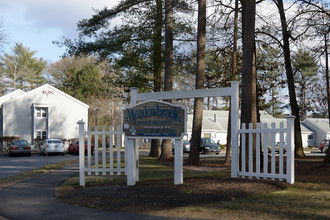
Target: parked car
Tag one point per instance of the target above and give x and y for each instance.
(52, 146)
(277, 147)
(20, 147)
(74, 147)
(324, 145)
(209, 146)
(185, 145)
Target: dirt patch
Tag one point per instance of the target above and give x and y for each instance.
(161, 195)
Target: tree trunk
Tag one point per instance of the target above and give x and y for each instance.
(157, 60)
(228, 141)
(249, 75)
(327, 73)
(233, 77)
(288, 67)
(198, 105)
(155, 148)
(327, 157)
(166, 153)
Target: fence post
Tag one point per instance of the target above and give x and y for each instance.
(136, 151)
(178, 162)
(134, 92)
(234, 128)
(131, 174)
(81, 153)
(290, 148)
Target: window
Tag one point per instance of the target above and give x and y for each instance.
(207, 135)
(41, 112)
(310, 137)
(41, 134)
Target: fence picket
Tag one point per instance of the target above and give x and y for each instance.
(243, 150)
(281, 154)
(258, 150)
(273, 161)
(265, 142)
(250, 149)
(89, 149)
(96, 147)
(104, 148)
(111, 148)
(262, 134)
(97, 169)
(118, 152)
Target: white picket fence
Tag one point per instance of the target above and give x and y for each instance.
(97, 164)
(281, 165)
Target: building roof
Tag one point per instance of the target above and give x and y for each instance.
(321, 123)
(11, 95)
(218, 120)
(42, 88)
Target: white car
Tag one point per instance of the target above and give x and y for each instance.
(52, 146)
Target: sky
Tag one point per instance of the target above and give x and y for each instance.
(37, 23)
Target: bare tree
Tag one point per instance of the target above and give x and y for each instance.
(288, 67)
(233, 77)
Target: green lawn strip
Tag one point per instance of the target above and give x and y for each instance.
(149, 169)
(8, 181)
(299, 201)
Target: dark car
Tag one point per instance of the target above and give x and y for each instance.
(19, 147)
(324, 145)
(74, 147)
(185, 145)
(209, 146)
(277, 147)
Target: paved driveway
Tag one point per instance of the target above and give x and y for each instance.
(34, 199)
(10, 166)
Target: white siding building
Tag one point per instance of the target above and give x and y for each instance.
(45, 112)
(215, 123)
(321, 128)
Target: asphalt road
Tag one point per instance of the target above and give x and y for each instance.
(34, 199)
(10, 166)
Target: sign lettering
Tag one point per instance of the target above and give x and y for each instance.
(154, 119)
(47, 92)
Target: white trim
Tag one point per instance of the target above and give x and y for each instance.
(3, 121)
(312, 122)
(34, 116)
(47, 86)
(11, 95)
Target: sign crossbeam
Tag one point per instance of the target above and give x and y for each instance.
(198, 93)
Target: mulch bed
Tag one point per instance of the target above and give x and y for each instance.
(163, 194)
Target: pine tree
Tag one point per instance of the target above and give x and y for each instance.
(21, 70)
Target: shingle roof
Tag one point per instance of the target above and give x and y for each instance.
(11, 95)
(322, 123)
(218, 120)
